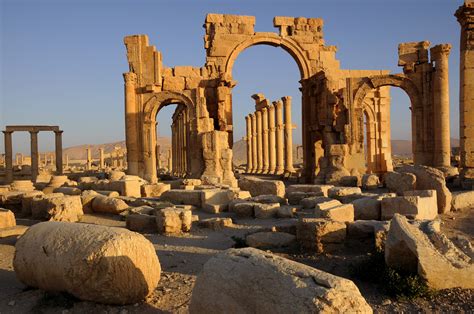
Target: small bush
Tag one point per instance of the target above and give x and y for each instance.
(239, 242)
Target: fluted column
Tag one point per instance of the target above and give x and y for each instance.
(253, 119)
(279, 137)
(265, 140)
(101, 158)
(442, 149)
(34, 155)
(288, 135)
(259, 142)
(131, 127)
(8, 156)
(271, 140)
(465, 16)
(58, 135)
(248, 140)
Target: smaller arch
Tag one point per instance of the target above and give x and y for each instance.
(161, 99)
(274, 40)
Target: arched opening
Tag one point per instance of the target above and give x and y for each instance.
(164, 134)
(401, 140)
(271, 74)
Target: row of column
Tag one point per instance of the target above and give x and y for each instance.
(270, 139)
(159, 164)
(179, 143)
(34, 154)
(117, 159)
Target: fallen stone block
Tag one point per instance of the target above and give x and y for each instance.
(56, 207)
(87, 197)
(370, 208)
(11, 199)
(66, 190)
(314, 234)
(173, 221)
(399, 182)
(370, 181)
(286, 211)
(191, 197)
(108, 193)
(116, 175)
(245, 209)
(268, 199)
(7, 218)
(311, 202)
(462, 200)
(14, 231)
(154, 190)
(216, 200)
(127, 186)
(252, 281)
(110, 205)
(22, 185)
(325, 203)
(361, 229)
(60, 256)
(26, 201)
(414, 204)
(295, 198)
(215, 223)
(141, 223)
(342, 212)
(269, 240)
(339, 191)
(258, 186)
(423, 250)
(309, 188)
(265, 211)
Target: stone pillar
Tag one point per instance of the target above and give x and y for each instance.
(131, 130)
(180, 145)
(8, 156)
(279, 137)
(101, 158)
(253, 119)
(465, 16)
(288, 135)
(442, 141)
(34, 155)
(248, 140)
(259, 142)
(158, 156)
(185, 143)
(170, 160)
(266, 163)
(58, 136)
(89, 159)
(271, 140)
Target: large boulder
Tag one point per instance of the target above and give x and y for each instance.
(252, 281)
(258, 186)
(91, 262)
(424, 250)
(428, 178)
(109, 205)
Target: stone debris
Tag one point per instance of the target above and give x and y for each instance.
(424, 250)
(266, 211)
(338, 212)
(258, 186)
(57, 207)
(109, 205)
(7, 218)
(339, 191)
(413, 204)
(154, 190)
(398, 182)
(60, 256)
(309, 188)
(315, 234)
(370, 181)
(141, 223)
(216, 223)
(188, 197)
(269, 240)
(173, 221)
(462, 200)
(251, 281)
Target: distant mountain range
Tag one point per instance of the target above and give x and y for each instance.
(399, 148)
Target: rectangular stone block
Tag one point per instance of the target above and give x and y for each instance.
(154, 190)
(141, 223)
(314, 233)
(186, 197)
(172, 83)
(266, 211)
(414, 205)
(343, 212)
(173, 220)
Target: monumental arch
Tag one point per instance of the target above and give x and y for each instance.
(334, 101)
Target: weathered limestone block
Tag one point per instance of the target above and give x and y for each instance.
(369, 208)
(56, 207)
(87, 197)
(14, 231)
(399, 182)
(234, 202)
(286, 211)
(323, 189)
(428, 178)
(22, 186)
(92, 262)
(56, 182)
(173, 83)
(7, 218)
(141, 223)
(110, 205)
(295, 198)
(339, 191)
(252, 281)
(144, 210)
(11, 199)
(311, 202)
(216, 223)
(462, 200)
(187, 197)
(154, 190)
(116, 175)
(187, 71)
(370, 181)
(268, 199)
(245, 209)
(362, 229)
(432, 255)
(326, 203)
(86, 183)
(268, 240)
(26, 201)
(216, 200)
(414, 205)
(66, 190)
(173, 220)
(128, 187)
(266, 211)
(343, 212)
(314, 233)
(262, 187)
(108, 193)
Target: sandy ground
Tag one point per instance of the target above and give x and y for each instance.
(182, 258)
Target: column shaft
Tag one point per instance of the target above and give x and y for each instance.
(131, 127)
(279, 137)
(34, 155)
(271, 139)
(101, 158)
(259, 142)
(248, 140)
(253, 119)
(288, 135)
(58, 135)
(265, 140)
(8, 157)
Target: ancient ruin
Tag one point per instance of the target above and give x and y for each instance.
(174, 224)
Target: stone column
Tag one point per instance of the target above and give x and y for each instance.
(259, 142)
(442, 141)
(279, 137)
(8, 156)
(58, 135)
(253, 119)
(465, 16)
(288, 135)
(248, 140)
(101, 158)
(265, 140)
(185, 143)
(34, 155)
(271, 139)
(89, 159)
(158, 156)
(170, 160)
(131, 129)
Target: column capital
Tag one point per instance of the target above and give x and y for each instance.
(7, 132)
(58, 132)
(278, 104)
(286, 99)
(130, 78)
(33, 132)
(441, 50)
(465, 14)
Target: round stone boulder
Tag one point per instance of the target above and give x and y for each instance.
(93, 263)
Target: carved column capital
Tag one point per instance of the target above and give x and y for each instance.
(440, 51)
(130, 78)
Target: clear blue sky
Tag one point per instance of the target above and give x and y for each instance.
(62, 61)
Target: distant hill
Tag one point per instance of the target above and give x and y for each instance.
(404, 148)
